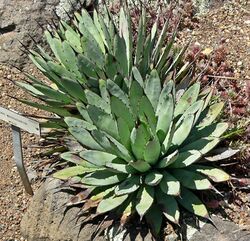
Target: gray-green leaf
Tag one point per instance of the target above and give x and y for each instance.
(145, 200)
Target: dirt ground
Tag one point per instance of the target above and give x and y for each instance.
(229, 24)
(13, 199)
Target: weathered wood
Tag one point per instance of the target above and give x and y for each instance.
(20, 121)
(18, 157)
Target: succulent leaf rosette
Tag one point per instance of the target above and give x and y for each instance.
(144, 124)
(95, 48)
(143, 147)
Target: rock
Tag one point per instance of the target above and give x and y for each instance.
(19, 19)
(32, 174)
(132, 235)
(227, 231)
(45, 220)
(202, 6)
(240, 63)
(69, 6)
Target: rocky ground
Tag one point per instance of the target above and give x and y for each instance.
(228, 24)
(13, 199)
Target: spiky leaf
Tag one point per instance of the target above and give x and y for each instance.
(152, 151)
(97, 158)
(110, 203)
(103, 178)
(169, 184)
(192, 203)
(153, 88)
(215, 174)
(185, 159)
(211, 114)
(154, 218)
(169, 206)
(192, 180)
(70, 172)
(145, 199)
(153, 178)
(168, 160)
(188, 98)
(128, 186)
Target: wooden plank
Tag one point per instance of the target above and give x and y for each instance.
(20, 121)
(18, 157)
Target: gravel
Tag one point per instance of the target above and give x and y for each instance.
(13, 199)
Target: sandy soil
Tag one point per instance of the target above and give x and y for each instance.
(13, 199)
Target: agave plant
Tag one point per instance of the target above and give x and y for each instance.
(143, 132)
(96, 48)
(144, 148)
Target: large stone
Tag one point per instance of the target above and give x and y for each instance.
(45, 220)
(202, 6)
(18, 19)
(21, 18)
(225, 231)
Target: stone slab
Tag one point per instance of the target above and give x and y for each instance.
(45, 221)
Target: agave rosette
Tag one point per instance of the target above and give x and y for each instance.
(96, 48)
(143, 147)
(143, 130)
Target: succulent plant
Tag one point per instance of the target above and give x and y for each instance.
(96, 48)
(145, 147)
(144, 132)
